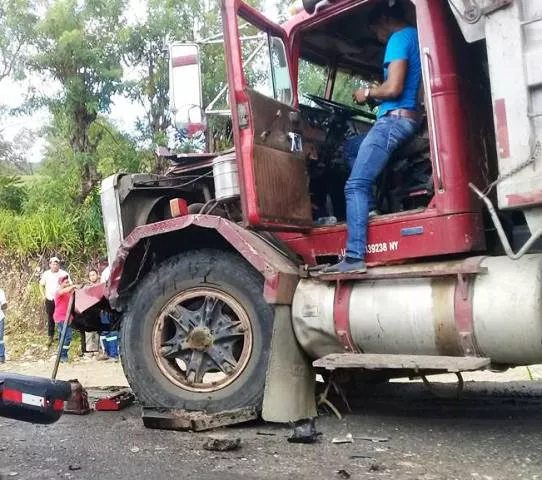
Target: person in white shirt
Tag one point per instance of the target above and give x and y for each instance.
(48, 287)
(3, 308)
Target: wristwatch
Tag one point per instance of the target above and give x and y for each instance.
(367, 92)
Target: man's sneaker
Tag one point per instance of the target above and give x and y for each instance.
(50, 342)
(64, 360)
(2, 360)
(102, 357)
(345, 267)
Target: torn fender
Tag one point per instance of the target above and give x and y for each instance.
(280, 273)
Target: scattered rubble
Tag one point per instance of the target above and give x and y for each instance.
(221, 443)
(374, 439)
(343, 474)
(348, 438)
(304, 431)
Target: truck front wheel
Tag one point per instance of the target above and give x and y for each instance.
(197, 334)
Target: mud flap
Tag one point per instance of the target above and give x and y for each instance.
(290, 381)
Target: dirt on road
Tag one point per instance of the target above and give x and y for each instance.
(399, 430)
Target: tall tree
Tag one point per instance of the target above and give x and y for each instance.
(78, 47)
(145, 54)
(17, 22)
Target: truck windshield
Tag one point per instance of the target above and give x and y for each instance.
(312, 80)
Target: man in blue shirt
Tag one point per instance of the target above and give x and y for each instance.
(397, 122)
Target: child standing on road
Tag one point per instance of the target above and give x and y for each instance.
(62, 300)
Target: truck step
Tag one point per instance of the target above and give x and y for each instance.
(415, 363)
(469, 266)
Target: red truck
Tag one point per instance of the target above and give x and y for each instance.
(215, 266)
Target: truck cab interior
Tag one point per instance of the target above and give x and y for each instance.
(336, 58)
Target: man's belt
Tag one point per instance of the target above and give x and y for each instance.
(403, 112)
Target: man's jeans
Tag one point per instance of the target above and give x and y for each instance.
(67, 339)
(2, 346)
(374, 151)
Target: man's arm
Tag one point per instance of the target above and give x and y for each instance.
(42, 286)
(69, 289)
(391, 88)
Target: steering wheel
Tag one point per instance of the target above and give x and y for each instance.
(339, 108)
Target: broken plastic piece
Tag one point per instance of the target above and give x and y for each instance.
(348, 438)
(304, 431)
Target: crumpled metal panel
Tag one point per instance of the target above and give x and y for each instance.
(281, 274)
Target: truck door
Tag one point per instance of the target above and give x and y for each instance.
(271, 164)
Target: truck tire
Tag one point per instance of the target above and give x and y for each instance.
(197, 334)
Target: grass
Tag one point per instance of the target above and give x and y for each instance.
(32, 346)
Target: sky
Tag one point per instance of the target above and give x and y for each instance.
(124, 112)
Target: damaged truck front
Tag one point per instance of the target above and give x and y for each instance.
(215, 264)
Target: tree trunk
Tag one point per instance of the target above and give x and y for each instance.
(82, 145)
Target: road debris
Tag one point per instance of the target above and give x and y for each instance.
(221, 443)
(304, 431)
(377, 467)
(116, 401)
(374, 439)
(178, 419)
(74, 467)
(268, 434)
(343, 474)
(134, 449)
(348, 438)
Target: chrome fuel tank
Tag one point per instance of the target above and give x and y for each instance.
(496, 312)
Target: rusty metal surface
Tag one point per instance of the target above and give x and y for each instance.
(463, 312)
(272, 122)
(418, 270)
(88, 296)
(341, 316)
(177, 419)
(280, 273)
(398, 362)
(444, 323)
(281, 185)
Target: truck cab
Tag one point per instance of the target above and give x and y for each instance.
(214, 264)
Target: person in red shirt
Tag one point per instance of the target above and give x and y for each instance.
(62, 300)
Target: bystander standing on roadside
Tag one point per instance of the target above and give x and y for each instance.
(109, 338)
(48, 288)
(92, 338)
(3, 308)
(62, 300)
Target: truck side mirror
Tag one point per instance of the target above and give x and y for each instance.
(185, 90)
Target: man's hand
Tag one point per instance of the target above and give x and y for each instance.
(359, 96)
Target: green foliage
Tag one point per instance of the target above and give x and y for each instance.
(78, 46)
(144, 47)
(12, 193)
(17, 21)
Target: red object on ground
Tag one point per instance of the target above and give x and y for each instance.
(115, 402)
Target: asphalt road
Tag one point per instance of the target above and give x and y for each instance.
(494, 432)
